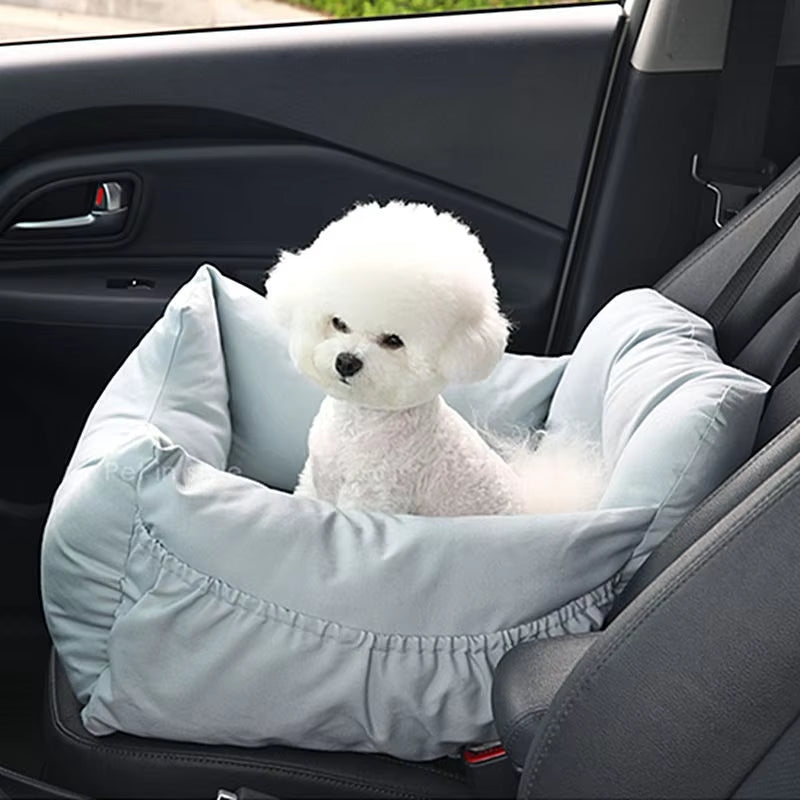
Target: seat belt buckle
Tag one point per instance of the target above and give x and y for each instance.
(732, 189)
(490, 770)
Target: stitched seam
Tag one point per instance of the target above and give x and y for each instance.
(694, 332)
(571, 611)
(175, 344)
(121, 578)
(43, 789)
(764, 754)
(121, 593)
(739, 220)
(760, 456)
(691, 460)
(519, 722)
(443, 773)
(650, 607)
(135, 487)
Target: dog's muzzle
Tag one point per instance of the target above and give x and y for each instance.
(348, 364)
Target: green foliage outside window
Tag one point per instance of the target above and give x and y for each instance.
(380, 8)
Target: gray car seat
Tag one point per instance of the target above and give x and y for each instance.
(693, 689)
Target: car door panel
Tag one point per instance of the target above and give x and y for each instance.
(229, 201)
(240, 143)
(502, 103)
(244, 142)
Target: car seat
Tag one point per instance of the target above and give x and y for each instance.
(692, 689)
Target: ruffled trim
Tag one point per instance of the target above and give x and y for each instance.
(582, 615)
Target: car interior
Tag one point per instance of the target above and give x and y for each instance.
(594, 148)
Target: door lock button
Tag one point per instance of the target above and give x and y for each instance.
(109, 197)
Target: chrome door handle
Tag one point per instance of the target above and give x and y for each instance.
(57, 224)
(106, 218)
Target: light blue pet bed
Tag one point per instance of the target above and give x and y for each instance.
(189, 601)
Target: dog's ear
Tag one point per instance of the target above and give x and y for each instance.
(474, 349)
(284, 287)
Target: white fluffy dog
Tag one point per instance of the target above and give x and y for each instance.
(386, 307)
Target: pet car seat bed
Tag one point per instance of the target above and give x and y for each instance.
(190, 598)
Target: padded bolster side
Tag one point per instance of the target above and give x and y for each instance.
(525, 684)
(743, 482)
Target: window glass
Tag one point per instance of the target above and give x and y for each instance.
(32, 20)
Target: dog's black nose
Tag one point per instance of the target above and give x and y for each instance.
(347, 364)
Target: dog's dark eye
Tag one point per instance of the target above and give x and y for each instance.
(340, 325)
(391, 340)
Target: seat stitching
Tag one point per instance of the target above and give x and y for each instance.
(422, 768)
(650, 607)
(520, 721)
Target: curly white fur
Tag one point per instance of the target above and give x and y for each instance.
(385, 308)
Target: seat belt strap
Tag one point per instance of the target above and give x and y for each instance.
(724, 302)
(734, 166)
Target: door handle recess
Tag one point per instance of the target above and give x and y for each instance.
(106, 218)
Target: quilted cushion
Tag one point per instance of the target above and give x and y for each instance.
(189, 598)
